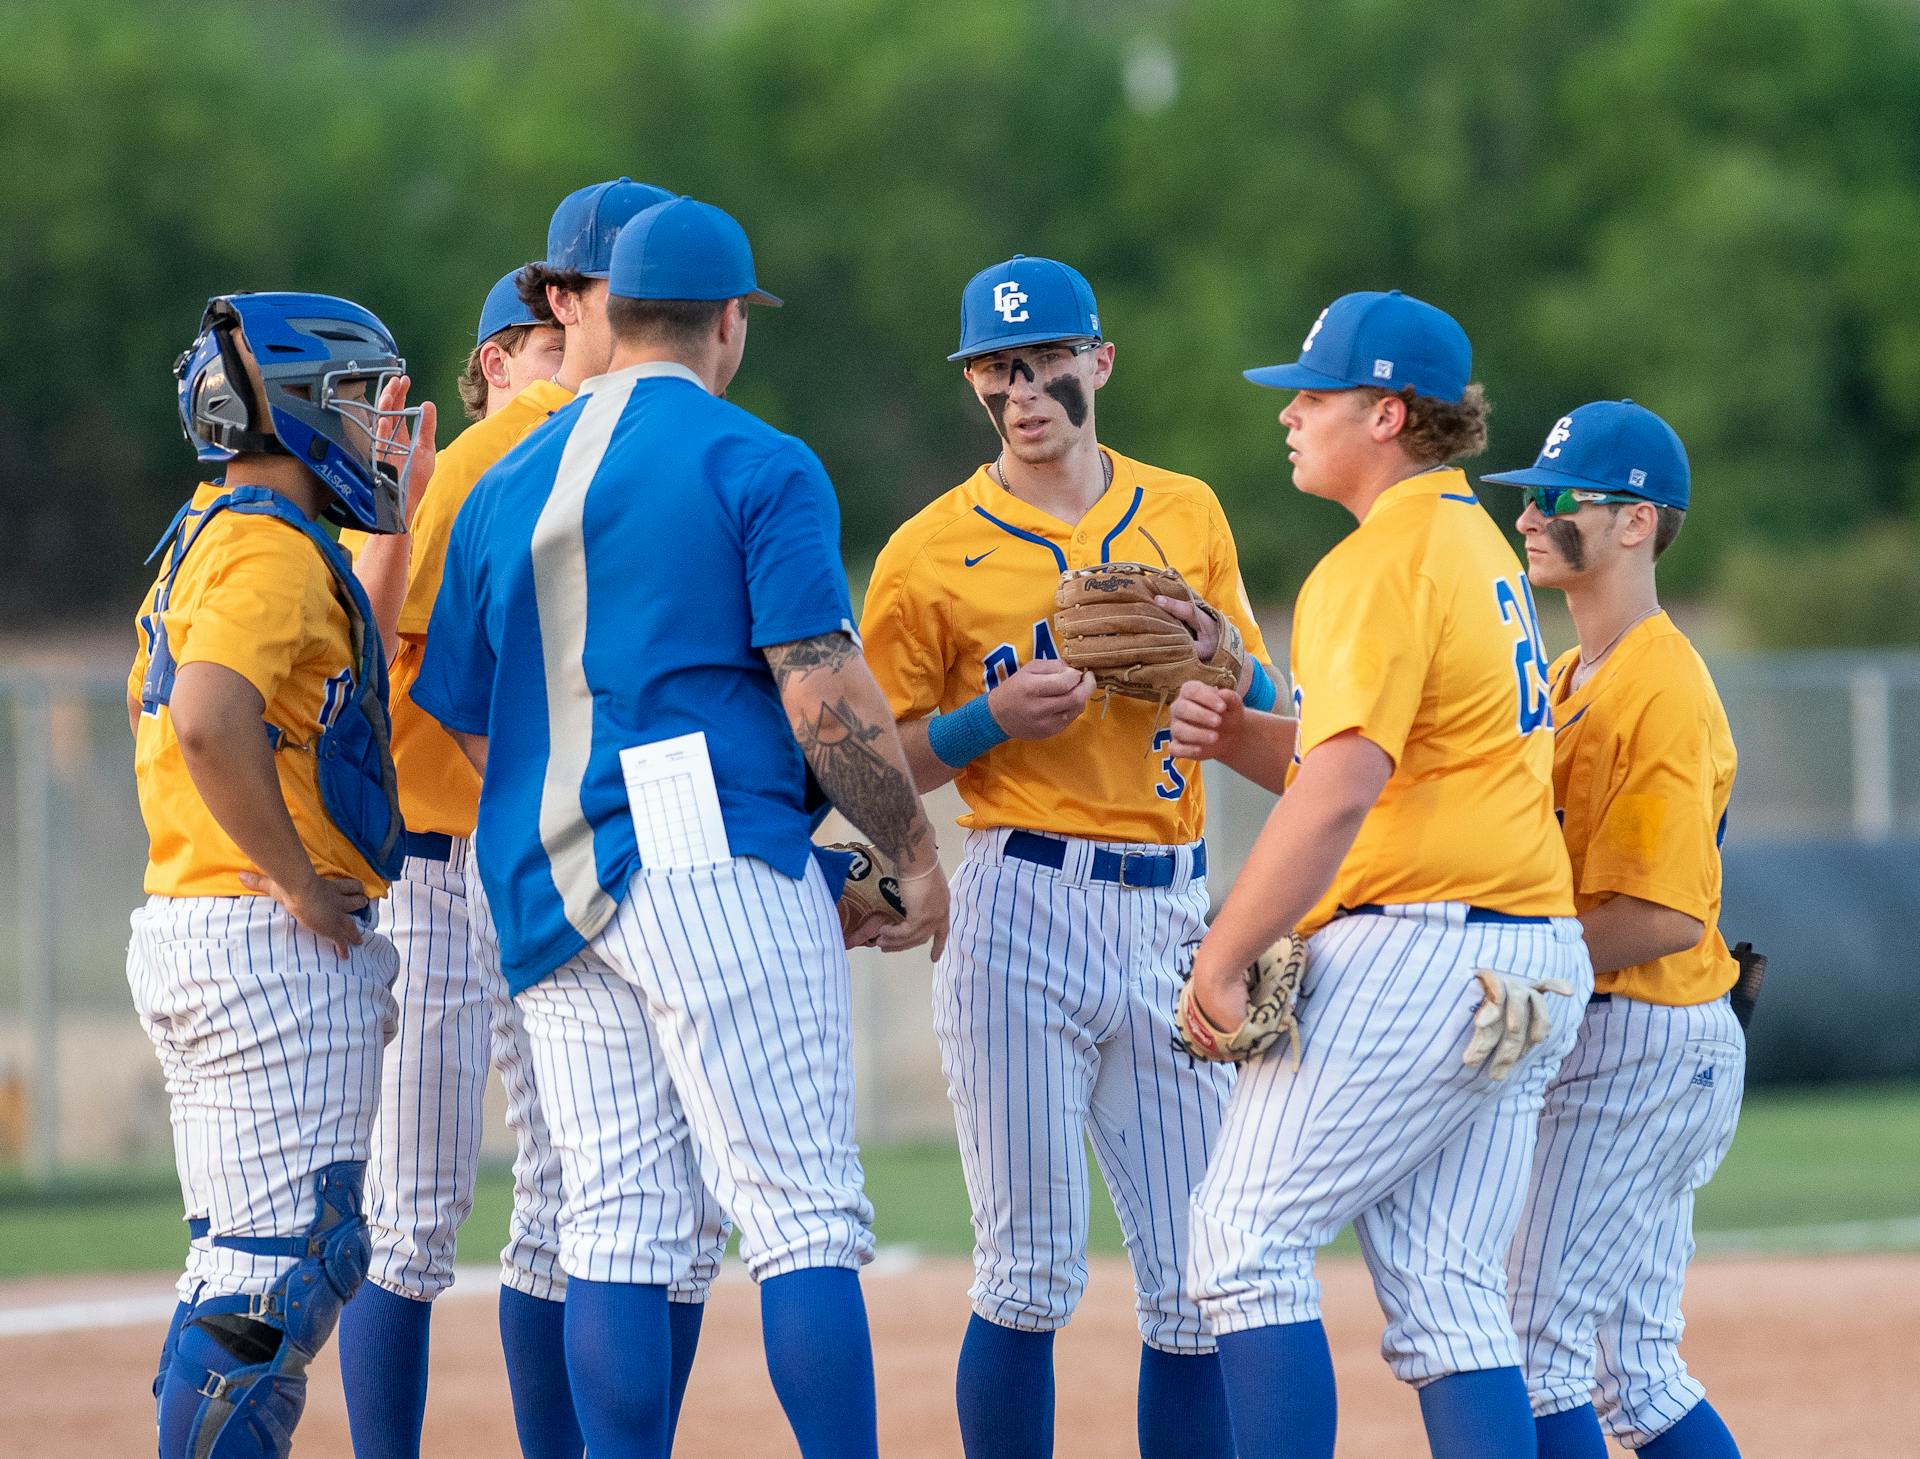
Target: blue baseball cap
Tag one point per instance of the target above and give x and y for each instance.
(584, 226)
(1389, 340)
(504, 308)
(1610, 445)
(1025, 301)
(685, 249)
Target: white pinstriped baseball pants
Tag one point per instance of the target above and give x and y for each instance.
(703, 1042)
(455, 1021)
(1053, 1005)
(1638, 1118)
(270, 1042)
(1384, 1127)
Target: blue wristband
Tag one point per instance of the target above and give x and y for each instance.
(966, 734)
(1262, 692)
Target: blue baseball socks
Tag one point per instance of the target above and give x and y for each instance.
(533, 1338)
(1280, 1380)
(1005, 1392)
(1182, 1407)
(1479, 1415)
(383, 1367)
(820, 1357)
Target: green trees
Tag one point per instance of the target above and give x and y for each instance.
(1709, 205)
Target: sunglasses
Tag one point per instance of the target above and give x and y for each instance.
(1561, 501)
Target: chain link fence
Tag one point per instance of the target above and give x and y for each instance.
(1829, 751)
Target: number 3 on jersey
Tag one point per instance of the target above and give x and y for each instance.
(1514, 596)
(1172, 784)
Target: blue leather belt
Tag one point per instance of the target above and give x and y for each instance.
(1474, 914)
(1593, 998)
(1125, 868)
(427, 845)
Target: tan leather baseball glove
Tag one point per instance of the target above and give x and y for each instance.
(871, 887)
(1273, 984)
(1105, 621)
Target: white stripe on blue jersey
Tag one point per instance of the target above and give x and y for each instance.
(560, 591)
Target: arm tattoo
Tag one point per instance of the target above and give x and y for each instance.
(867, 788)
(829, 651)
(843, 746)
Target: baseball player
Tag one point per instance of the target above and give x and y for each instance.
(1415, 849)
(455, 1014)
(1643, 1110)
(514, 348)
(644, 718)
(1084, 879)
(258, 703)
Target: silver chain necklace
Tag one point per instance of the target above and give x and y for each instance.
(1588, 665)
(998, 471)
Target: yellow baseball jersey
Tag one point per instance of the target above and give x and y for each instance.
(1418, 632)
(1643, 765)
(960, 598)
(439, 788)
(253, 596)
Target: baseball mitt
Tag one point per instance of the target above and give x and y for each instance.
(1273, 983)
(871, 887)
(1105, 621)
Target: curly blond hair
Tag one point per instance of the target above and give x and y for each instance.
(1439, 431)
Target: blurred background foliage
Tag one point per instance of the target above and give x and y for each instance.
(1710, 205)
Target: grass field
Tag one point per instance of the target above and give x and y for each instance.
(1801, 1159)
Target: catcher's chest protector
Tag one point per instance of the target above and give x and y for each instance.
(353, 759)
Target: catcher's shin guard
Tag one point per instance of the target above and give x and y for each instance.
(237, 1381)
(182, 1310)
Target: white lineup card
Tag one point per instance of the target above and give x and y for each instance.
(676, 809)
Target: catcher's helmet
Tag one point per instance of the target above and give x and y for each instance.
(309, 348)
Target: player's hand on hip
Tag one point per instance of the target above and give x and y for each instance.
(1206, 722)
(923, 900)
(325, 906)
(1040, 698)
(1512, 1019)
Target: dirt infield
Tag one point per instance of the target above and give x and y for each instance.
(1803, 1356)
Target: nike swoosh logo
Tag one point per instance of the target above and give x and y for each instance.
(970, 561)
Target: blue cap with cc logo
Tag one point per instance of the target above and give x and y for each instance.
(1613, 446)
(1025, 301)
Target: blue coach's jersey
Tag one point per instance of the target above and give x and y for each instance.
(611, 583)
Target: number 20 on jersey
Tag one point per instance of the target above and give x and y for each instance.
(1514, 598)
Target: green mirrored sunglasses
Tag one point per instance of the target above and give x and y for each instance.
(1561, 501)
